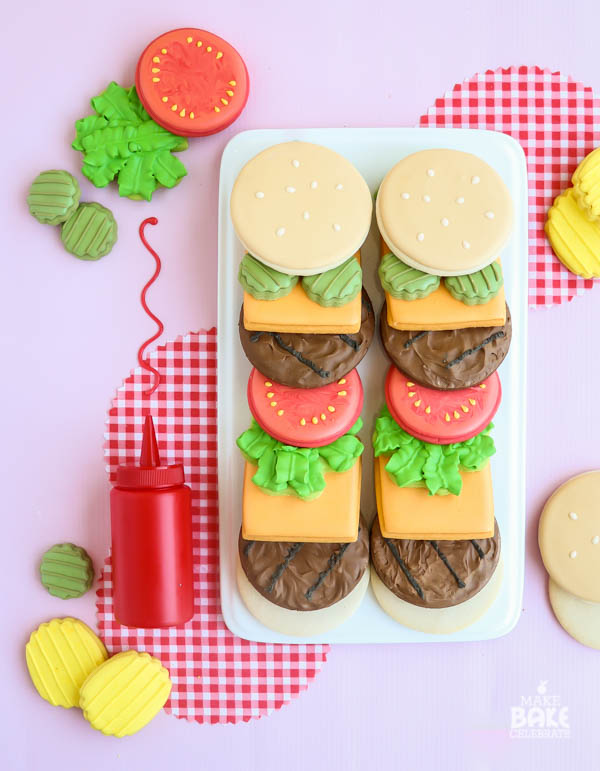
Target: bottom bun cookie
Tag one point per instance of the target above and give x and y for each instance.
(300, 623)
(579, 618)
(437, 620)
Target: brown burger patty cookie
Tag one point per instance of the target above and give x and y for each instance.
(434, 574)
(447, 359)
(308, 360)
(305, 576)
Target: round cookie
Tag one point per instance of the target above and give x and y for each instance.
(444, 212)
(335, 287)
(441, 417)
(60, 655)
(124, 693)
(569, 536)
(579, 618)
(585, 184)
(308, 360)
(476, 288)
(302, 417)
(574, 238)
(53, 196)
(301, 208)
(263, 282)
(67, 571)
(192, 82)
(303, 588)
(404, 282)
(90, 233)
(448, 359)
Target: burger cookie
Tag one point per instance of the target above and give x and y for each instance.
(302, 212)
(308, 360)
(302, 477)
(301, 588)
(458, 358)
(444, 217)
(435, 586)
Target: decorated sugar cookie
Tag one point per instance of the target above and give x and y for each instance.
(123, 694)
(404, 282)
(308, 360)
(586, 184)
(435, 586)
(60, 655)
(569, 536)
(90, 233)
(444, 212)
(449, 359)
(476, 288)
(305, 418)
(574, 238)
(53, 196)
(301, 208)
(67, 571)
(441, 417)
(192, 82)
(303, 588)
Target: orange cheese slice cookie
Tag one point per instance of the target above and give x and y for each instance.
(440, 310)
(410, 512)
(330, 518)
(296, 312)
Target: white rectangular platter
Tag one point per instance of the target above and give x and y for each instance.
(374, 152)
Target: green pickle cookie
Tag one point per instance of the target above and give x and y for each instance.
(335, 287)
(53, 196)
(476, 288)
(263, 282)
(404, 282)
(90, 233)
(67, 571)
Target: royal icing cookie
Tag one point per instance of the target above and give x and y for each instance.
(305, 418)
(308, 360)
(60, 655)
(192, 82)
(434, 573)
(262, 282)
(574, 238)
(476, 288)
(53, 196)
(580, 619)
(301, 208)
(90, 233)
(335, 287)
(404, 282)
(569, 536)
(67, 571)
(441, 417)
(124, 693)
(586, 184)
(457, 358)
(444, 212)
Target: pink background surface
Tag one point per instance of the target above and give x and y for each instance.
(70, 331)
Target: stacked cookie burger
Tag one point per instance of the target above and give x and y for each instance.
(444, 217)
(302, 212)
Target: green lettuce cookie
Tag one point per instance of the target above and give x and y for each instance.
(335, 287)
(53, 196)
(263, 282)
(415, 463)
(404, 282)
(476, 288)
(67, 571)
(89, 233)
(284, 469)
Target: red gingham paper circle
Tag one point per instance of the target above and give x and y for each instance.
(217, 677)
(556, 120)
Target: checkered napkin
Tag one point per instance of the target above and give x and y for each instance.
(217, 677)
(556, 120)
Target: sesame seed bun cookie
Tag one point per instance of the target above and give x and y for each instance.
(444, 212)
(301, 208)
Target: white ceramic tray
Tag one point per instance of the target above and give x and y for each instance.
(374, 152)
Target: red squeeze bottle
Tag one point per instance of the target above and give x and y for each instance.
(151, 526)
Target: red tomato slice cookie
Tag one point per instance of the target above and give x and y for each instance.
(441, 417)
(192, 82)
(305, 417)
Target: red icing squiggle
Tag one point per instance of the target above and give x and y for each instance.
(143, 363)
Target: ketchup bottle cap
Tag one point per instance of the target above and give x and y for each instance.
(149, 473)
